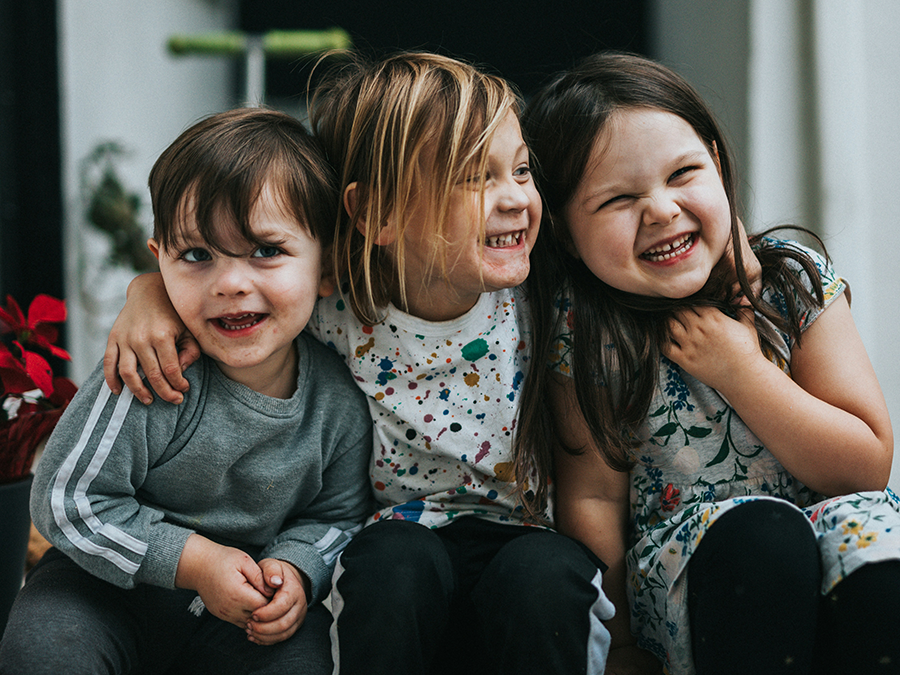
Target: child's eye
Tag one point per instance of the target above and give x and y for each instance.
(617, 200)
(682, 172)
(196, 255)
(522, 171)
(475, 180)
(266, 252)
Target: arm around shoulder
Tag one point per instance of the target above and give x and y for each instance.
(146, 335)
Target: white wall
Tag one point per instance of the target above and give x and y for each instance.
(873, 238)
(808, 89)
(119, 83)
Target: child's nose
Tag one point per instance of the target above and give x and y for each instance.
(660, 209)
(232, 277)
(514, 197)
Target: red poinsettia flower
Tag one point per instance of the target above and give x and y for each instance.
(26, 416)
(22, 370)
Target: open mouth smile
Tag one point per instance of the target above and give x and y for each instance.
(504, 240)
(673, 249)
(239, 322)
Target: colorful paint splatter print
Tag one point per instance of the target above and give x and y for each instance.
(443, 398)
(696, 461)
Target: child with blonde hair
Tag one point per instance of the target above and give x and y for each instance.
(457, 568)
(722, 426)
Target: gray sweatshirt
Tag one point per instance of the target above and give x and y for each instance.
(121, 486)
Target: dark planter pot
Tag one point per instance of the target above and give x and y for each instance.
(15, 525)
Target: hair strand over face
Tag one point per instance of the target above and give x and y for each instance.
(406, 130)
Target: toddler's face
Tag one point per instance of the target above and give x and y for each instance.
(651, 215)
(512, 213)
(245, 310)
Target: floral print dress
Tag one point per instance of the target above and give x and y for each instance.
(697, 460)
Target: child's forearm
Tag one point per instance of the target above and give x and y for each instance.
(601, 526)
(828, 422)
(592, 502)
(196, 558)
(827, 448)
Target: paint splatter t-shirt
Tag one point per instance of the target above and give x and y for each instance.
(443, 398)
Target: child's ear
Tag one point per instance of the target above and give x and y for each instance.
(326, 286)
(153, 246)
(386, 235)
(327, 282)
(715, 156)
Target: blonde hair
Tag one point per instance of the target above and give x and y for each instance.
(407, 129)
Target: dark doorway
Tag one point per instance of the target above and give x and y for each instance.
(524, 41)
(31, 260)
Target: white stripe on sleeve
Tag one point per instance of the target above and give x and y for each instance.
(67, 474)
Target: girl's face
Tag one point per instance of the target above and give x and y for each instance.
(512, 214)
(650, 216)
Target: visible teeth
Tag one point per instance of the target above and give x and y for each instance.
(502, 240)
(228, 324)
(667, 251)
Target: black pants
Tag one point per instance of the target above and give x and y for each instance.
(755, 603)
(472, 596)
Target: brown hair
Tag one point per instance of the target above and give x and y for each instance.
(615, 385)
(224, 161)
(406, 129)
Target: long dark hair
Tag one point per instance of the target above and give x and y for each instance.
(616, 336)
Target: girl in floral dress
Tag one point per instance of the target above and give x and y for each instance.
(726, 441)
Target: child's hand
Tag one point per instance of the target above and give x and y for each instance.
(286, 611)
(148, 333)
(229, 581)
(712, 346)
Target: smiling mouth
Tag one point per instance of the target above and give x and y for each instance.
(670, 250)
(504, 240)
(240, 322)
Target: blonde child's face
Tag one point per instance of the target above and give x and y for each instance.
(512, 214)
(246, 310)
(650, 216)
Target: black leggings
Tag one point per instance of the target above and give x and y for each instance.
(755, 604)
(473, 596)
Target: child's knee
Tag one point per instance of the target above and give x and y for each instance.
(394, 560)
(554, 569)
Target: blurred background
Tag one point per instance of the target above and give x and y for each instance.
(90, 94)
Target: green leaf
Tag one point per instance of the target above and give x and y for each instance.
(667, 429)
(723, 453)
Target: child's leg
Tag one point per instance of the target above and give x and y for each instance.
(859, 623)
(540, 606)
(753, 592)
(391, 598)
(65, 620)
